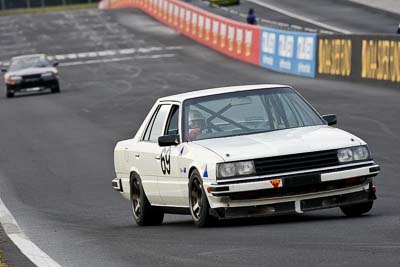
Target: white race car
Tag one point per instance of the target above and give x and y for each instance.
(241, 151)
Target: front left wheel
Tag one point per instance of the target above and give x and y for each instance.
(9, 94)
(143, 213)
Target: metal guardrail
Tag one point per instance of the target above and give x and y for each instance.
(13, 4)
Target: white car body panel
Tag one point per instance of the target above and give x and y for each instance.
(281, 142)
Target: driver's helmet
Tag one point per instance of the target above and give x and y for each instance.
(196, 120)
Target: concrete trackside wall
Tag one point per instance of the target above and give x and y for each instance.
(232, 38)
(361, 58)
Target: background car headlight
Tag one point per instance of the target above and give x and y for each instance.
(356, 153)
(13, 79)
(49, 74)
(236, 169)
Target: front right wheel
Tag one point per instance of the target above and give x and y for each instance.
(357, 209)
(198, 202)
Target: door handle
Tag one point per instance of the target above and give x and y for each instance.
(137, 156)
(158, 157)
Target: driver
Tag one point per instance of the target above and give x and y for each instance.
(197, 123)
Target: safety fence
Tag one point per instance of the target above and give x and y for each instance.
(349, 57)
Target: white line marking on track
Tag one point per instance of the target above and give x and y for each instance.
(72, 56)
(297, 27)
(106, 53)
(27, 247)
(127, 51)
(283, 24)
(106, 60)
(92, 54)
(83, 55)
(60, 57)
(296, 16)
(326, 32)
(174, 48)
(313, 30)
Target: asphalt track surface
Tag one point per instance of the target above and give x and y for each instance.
(344, 14)
(56, 156)
(341, 14)
(266, 17)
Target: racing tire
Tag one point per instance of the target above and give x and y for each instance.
(198, 202)
(9, 94)
(55, 89)
(143, 213)
(357, 209)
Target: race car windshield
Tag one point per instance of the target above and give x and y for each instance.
(246, 112)
(29, 62)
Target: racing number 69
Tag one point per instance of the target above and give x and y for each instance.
(166, 160)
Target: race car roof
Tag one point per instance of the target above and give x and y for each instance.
(219, 90)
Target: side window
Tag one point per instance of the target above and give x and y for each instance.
(158, 124)
(172, 125)
(146, 135)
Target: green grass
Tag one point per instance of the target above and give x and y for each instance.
(39, 10)
(3, 261)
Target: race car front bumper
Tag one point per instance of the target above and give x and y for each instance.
(40, 84)
(294, 193)
(299, 205)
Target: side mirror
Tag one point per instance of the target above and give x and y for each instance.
(55, 64)
(168, 140)
(330, 119)
(3, 69)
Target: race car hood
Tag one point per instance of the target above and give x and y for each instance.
(30, 71)
(281, 142)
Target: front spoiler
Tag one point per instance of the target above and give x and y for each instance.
(298, 206)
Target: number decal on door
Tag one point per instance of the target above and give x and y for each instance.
(166, 161)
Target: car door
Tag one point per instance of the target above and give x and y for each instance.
(147, 153)
(172, 179)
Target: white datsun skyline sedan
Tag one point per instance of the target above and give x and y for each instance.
(241, 151)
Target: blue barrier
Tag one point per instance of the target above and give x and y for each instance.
(288, 52)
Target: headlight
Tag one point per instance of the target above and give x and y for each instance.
(49, 74)
(356, 153)
(361, 153)
(236, 169)
(226, 169)
(15, 78)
